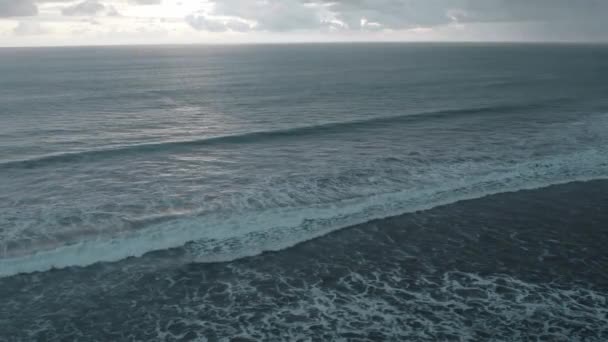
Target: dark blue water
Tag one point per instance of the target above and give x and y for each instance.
(186, 156)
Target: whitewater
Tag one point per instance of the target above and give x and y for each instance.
(191, 158)
(271, 219)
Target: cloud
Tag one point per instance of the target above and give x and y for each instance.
(146, 2)
(543, 19)
(268, 15)
(112, 12)
(17, 8)
(398, 14)
(52, 1)
(29, 28)
(86, 8)
(289, 15)
(203, 22)
(533, 10)
(391, 14)
(552, 20)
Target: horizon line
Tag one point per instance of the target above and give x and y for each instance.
(353, 42)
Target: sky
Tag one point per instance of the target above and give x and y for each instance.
(110, 22)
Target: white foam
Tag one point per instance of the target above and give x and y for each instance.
(455, 304)
(224, 236)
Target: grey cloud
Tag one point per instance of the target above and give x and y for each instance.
(270, 15)
(533, 10)
(112, 12)
(28, 28)
(394, 14)
(146, 2)
(412, 13)
(17, 8)
(286, 15)
(88, 7)
(549, 19)
(204, 23)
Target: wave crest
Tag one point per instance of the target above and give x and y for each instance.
(243, 138)
(217, 237)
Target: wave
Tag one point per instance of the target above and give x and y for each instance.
(220, 237)
(169, 146)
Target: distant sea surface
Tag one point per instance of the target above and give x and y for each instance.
(355, 192)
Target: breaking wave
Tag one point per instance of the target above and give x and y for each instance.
(225, 236)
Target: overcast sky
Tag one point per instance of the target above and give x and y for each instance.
(88, 22)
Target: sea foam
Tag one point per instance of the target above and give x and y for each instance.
(220, 237)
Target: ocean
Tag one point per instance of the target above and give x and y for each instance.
(312, 192)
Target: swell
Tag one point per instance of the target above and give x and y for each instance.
(170, 146)
(222, 238)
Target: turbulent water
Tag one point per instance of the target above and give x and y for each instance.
(184, 157)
